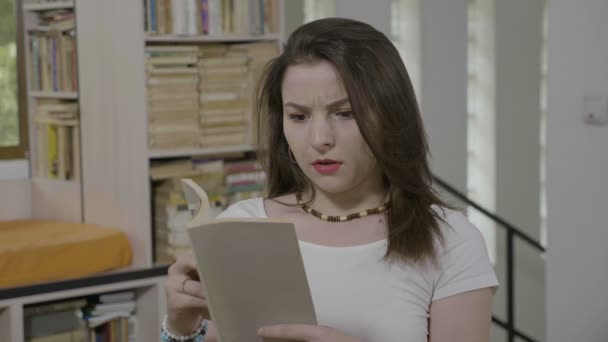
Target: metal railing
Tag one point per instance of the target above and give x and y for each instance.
(512, 232)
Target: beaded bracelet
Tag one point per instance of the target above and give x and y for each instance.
(197, 336)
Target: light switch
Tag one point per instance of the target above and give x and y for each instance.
(595, 110)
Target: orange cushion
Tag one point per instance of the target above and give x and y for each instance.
(33, 251)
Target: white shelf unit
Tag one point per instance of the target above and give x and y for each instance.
(114, 187)
(150, 306)
(221, 152)
(50, 5)
(62, 95)
(210, 38)
(199, 152)
(47, 194)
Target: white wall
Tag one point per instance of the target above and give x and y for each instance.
(15, 190)
(518, 43)
(14, 169)
(443, 78)
(376, 13)
(577, 174)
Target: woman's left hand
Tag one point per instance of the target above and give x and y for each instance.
(305, 332)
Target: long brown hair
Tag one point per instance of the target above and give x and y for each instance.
(386, 111)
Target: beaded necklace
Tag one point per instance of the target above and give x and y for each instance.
(349, 217)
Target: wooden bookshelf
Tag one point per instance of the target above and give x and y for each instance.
(45, 6)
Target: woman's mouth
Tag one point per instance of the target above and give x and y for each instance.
(326, 166)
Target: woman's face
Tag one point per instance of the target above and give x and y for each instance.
(321, 131)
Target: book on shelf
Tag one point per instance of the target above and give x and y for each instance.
(52, 52)
(57, 134)
(214, 80)
(43, 2)
(172, 96)
(252, 270)
(110, 317)
(57, 321)
(210, 17)
(226, 182)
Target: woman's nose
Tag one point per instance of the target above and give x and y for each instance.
(322, 135)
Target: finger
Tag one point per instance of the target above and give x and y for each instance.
(193, 288)
(185, 285)
(299, 332)
(184, 265)
(184, 301)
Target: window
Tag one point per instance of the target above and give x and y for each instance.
(318, 9)
(405, 34)
(13, 131)
(481, 141)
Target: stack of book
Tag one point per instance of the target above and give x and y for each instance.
(55, 322)
(52, 52)
(244, 180)
(225, 94)
(171, 213)
(111, 317)
(58, 139)
(224, 181)
(173, 96)
(195, 17)
(259, 54)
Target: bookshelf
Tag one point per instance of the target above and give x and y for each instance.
(53, 110)
(113, 186)
(224, 56)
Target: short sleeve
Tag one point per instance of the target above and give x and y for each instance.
(464, 261)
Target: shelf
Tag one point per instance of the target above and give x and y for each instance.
(48, 6)
(64, 95)
(56, 182)
(120, 277)
(210, 39)
(161, 154)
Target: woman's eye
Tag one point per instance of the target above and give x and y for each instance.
(297, 117)
(346, 114)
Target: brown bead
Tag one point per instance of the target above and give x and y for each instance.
(349, 217)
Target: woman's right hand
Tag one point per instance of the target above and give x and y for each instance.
(186, 302)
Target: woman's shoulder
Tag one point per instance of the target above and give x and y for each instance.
(253, 208)
(456, 228)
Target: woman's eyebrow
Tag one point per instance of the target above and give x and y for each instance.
(332, 105)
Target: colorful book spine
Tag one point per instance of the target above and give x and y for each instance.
(205, 15)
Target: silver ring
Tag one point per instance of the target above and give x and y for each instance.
(184, 285)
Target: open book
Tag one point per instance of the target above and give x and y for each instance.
(251, 269)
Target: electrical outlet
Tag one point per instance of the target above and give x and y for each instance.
(595, 110)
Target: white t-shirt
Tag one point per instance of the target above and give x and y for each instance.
(356, 292)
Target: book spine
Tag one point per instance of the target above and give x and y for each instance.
(205, 15)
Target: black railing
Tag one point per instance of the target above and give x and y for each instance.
(511, 232)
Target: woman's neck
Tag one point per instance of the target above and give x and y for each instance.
(347, 202)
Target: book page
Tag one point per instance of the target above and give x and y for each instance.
(254, 276)
(252, 271)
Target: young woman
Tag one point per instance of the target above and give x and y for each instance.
(347, 162)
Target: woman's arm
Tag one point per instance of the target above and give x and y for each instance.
(465, 317)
